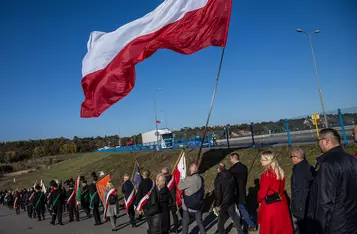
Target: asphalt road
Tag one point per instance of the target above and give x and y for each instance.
(10, 223)
(301, 137)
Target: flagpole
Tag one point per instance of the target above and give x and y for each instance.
(132, 174)
(177, 161)
(211, 106)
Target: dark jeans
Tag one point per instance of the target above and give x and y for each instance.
(155, 224)
(246, 216)
(186, 221)
(225, 214)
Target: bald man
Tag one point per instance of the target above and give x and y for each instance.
(333, 199)
(301, 180)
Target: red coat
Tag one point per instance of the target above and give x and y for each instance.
(273, 218)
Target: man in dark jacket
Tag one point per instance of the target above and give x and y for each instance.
(25, 198)
(129, 198)
(38, 202)
(301, 180)
(145, 186)
(94, 199)
(240, 173)
(85, 199)
(56, 203)
(170, 183)
(225, 190)
(71, 202)
(333, 200)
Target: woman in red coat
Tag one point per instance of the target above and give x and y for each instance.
(273, 218)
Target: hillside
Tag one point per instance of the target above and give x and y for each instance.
(117, 164)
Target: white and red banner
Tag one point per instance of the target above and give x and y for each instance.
(179, 174)
(111, 192)
(144, 200)
(129, 200)
(184, 26)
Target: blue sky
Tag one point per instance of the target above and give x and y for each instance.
(267, 72)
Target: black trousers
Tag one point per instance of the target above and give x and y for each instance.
(57, 212)
(131, 213)
(174, 219)
(96, 213)
(29, 211)
(86, 209)
(40, 211)
(73, 211)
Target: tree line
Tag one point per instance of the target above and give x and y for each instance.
(15, 151)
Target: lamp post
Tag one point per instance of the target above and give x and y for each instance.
(157, 132)
(317, 74)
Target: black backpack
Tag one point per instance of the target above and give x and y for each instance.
(112, 199)
(195, 201)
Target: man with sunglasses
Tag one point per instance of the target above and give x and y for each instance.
(333, 200)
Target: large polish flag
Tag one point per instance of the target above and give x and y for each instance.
(179, 174)
(184, 26)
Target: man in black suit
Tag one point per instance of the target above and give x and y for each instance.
(240, 173)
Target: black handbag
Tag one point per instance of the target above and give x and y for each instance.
(275, 197)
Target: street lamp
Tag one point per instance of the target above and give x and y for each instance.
(317, 74)
(157, 131)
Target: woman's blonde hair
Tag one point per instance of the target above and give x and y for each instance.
(274, 163)
(110, 185)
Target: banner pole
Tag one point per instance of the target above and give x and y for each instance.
(177, 161)
(132, 174)
(211, 106)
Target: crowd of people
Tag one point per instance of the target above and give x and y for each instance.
(323, 197)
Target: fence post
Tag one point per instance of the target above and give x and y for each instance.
(288, 132)
(252, 132)
(227, 135)
(345, 142)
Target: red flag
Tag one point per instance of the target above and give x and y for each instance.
(184, 26)
(158, 121)
(178, 174)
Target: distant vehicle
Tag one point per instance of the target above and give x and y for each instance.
(165, 138)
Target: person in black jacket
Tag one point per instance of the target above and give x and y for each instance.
(38, 203)
(152, 211)
(85, 199)
(240, 173)
(56, 203)
(301, 180)
(71, 202)
(94, 199)
(25, 198)
(333, 200)
(165, 202)
(225, 190)
(129, 197)
(145, 186)
(173, 208)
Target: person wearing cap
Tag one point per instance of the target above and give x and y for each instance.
(85, 198)
(94, 199)
(56, 203)
(38, 203)
(71, 202)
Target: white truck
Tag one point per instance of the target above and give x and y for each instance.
(165, 138)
